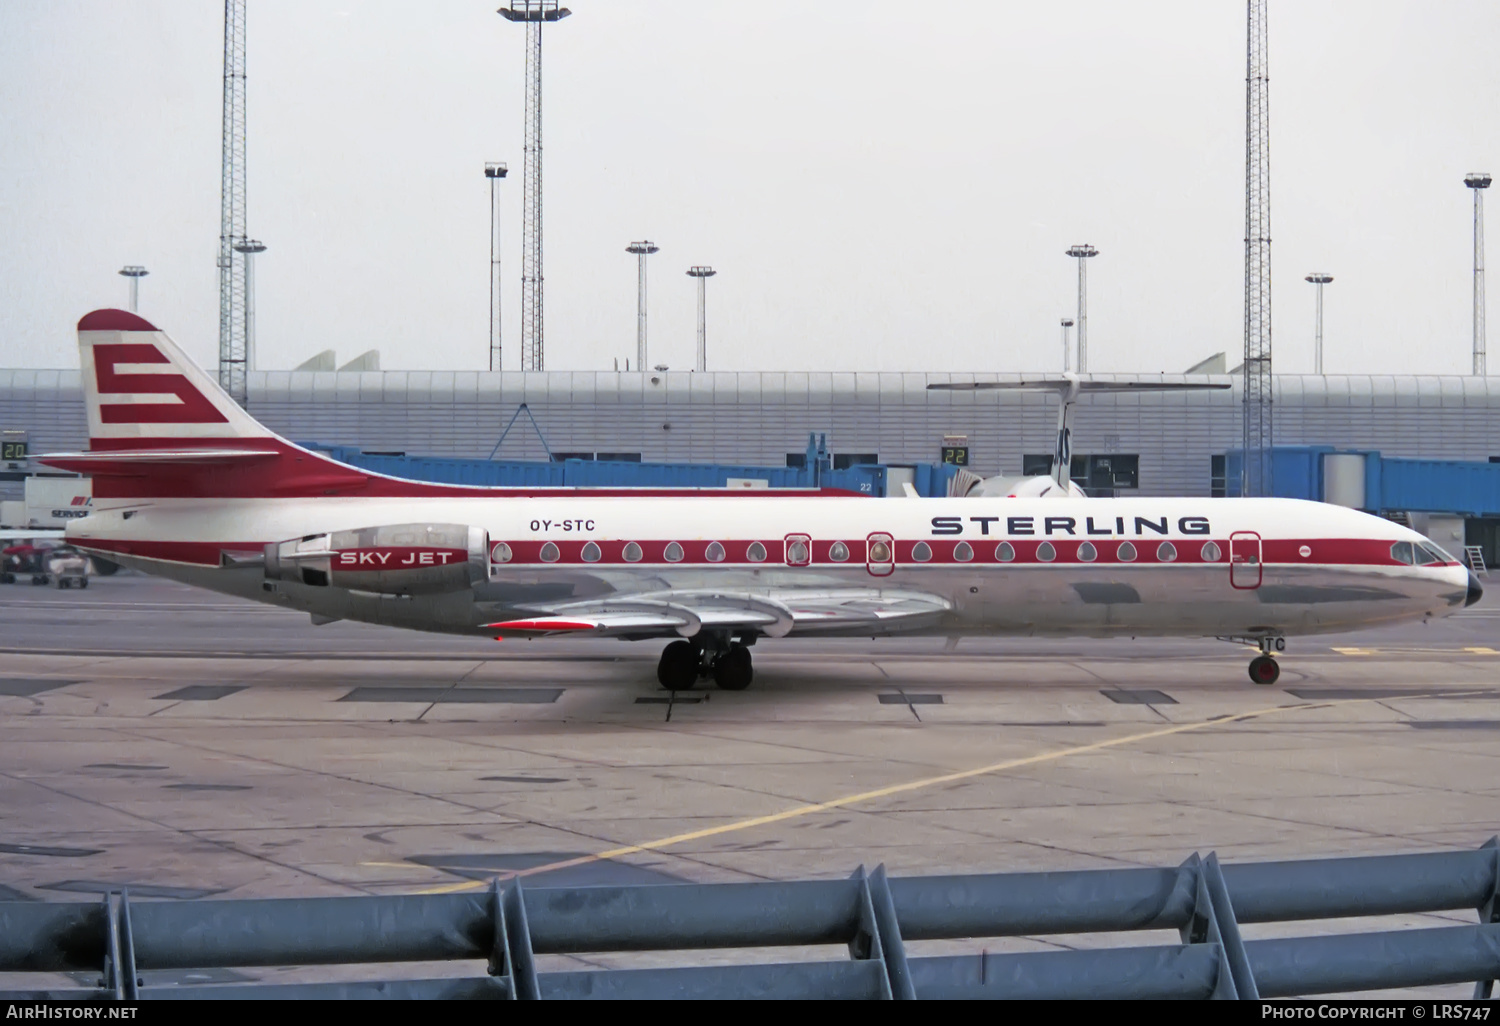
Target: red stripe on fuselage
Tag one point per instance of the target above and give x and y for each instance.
(1278, 553)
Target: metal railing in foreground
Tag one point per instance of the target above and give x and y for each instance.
(875, 916)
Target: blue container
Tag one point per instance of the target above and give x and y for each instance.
(930, 480)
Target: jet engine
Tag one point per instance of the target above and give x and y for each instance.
(395, 559)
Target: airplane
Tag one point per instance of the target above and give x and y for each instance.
(1058, 483)
(187, 485)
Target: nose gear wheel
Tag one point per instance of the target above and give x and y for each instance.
(1264, 670)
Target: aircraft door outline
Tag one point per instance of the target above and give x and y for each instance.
(1245, 568)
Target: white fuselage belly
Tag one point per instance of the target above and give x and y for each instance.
(1317, 575)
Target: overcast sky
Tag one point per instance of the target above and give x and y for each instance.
(881, 185)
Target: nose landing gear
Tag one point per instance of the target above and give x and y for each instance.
(1264, 669)
(683, 662)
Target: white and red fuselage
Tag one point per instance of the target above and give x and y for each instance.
(189, 486)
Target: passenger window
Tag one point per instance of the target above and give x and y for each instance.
(715, 552)
(1045, 552)
(921, 552)
(591, 553)
(963, 552)
(1005, 552)
(796, 553)
(1125, 553)
(673, 553)
(633, 553)
(1210, 552)
(1087, 553)
(1401, 553)
(838, 552)
(1167, 552)
(756, 553)
(550, 554)
(880, 552)
(501, 553)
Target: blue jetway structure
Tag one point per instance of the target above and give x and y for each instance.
(817, 472)
(1380, 484)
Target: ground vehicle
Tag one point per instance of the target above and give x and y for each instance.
(67, 566)
(23, 560)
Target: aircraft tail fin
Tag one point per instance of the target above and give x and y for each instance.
(160, 427)
(144, 392)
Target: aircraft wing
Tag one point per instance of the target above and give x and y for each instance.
(775, 613)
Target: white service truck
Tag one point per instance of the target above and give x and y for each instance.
(52, 501)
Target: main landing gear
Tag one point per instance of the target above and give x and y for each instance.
(1263, 668)
(683, 662)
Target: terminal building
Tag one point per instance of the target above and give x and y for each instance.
(1150, 443)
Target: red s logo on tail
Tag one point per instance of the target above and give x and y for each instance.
(194, 407)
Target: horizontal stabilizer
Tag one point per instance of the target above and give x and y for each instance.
(105, 462)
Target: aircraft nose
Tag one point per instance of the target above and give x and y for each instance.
(1475, 593)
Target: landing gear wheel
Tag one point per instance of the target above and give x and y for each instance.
(1264, 670)
(733, 671)
(678, 669)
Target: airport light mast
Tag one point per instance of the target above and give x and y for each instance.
(1478, 182)
(135, 273)
(1082, 253)
(249, 247)
(1067, 322)
(1258, 434)
(702, 273)
(1319, 279)
(533, 14)
(494, 173)
(641, 250)
(232, 206)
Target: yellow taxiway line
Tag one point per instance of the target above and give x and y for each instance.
(798, 811)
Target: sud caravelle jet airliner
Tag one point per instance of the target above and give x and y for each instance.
(189, 486)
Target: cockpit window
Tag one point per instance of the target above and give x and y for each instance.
(1401, 552)
(1427, 553)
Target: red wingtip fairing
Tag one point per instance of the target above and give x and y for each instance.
(114, 320)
